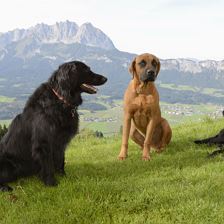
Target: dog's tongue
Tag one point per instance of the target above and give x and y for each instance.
(89, 89)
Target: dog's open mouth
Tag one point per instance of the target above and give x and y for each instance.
(88, 88)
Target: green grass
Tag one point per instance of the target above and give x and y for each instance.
(206, 91)
(179, 87)
(5, 122)
(180, 185)
(18, 85)
(108, 128)
(4, 99)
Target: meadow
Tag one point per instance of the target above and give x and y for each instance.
(4, 99)
(180, 185)
(176, 114)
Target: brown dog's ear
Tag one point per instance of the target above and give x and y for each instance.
(132, 68)
(158, 67)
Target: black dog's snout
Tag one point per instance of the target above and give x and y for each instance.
(104, 79)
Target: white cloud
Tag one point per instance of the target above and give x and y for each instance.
(168, 28)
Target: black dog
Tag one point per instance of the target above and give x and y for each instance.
(215, 140)
(36, 140)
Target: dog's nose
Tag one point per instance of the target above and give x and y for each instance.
(104, 79)
(150, 73)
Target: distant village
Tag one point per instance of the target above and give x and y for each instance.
(98, 119)
(180, 110)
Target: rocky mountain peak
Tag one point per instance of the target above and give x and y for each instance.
(89, 35)
(66, 32)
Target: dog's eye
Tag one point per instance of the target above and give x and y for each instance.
(142, 63)
(154, 63)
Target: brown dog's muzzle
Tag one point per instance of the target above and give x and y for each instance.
(148, 76)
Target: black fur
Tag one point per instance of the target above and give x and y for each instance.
(36, 140)
(215, 140)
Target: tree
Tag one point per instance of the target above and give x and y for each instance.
(3, 130)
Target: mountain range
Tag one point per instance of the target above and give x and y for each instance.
(29, 56)
(62, 32)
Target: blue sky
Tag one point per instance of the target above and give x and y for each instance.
(167, 28)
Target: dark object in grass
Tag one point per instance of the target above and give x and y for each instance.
(215, 140)
(216, 152)
(5, 187)
(36, 139)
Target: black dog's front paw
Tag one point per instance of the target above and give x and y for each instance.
(61, 172)
(50, 181)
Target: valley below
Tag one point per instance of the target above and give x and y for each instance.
(105, 114)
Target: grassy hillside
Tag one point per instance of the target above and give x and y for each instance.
(110, 120)
(180, 185)
(4, 99)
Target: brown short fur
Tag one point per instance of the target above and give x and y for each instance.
(142, 115)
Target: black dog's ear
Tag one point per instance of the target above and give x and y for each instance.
(62, 80)
(66, 80)
(132, 68)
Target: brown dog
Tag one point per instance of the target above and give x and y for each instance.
(142, 115)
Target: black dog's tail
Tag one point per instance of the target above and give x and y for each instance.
(216, 152)
(217, 139)
(12, 167)
(203, 141)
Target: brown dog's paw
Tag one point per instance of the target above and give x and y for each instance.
(146, 158)
(122, 157)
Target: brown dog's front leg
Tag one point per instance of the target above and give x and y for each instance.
(148, 139)
(125, 136)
